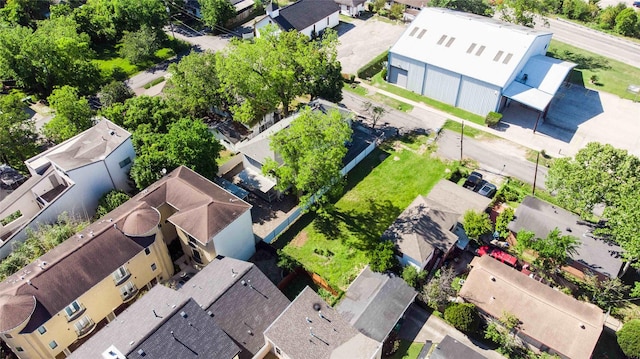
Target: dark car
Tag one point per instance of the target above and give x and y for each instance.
(487, 190)
(473, 181)
(636, 3)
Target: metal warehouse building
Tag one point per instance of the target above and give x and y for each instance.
(475, 63)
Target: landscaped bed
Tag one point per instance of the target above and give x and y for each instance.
(335, 246)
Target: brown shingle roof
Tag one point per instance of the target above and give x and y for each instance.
(564, 324)
(14, 309)
(141, 221)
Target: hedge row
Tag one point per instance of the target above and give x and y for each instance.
(373, 67)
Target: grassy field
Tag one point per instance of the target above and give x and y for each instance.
(407, 350)
(335, 246)
(613, 76)
(357, 89)
(382, 84)
(391, 102)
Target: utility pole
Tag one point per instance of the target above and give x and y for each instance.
(535, 174)
(170, 23)
(461, 137)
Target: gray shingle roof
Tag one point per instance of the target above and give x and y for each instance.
(300, 332)
(542, 217)
(305, 13)
(243, 304)
(375, 302)
(449, 348)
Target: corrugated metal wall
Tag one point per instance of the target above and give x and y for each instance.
(398, 76)
(441, 84)
(477, 96)
(414, 72)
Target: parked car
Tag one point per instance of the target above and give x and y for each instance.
(636, 3)
(488, 190)
(473, 182)
(502, 256)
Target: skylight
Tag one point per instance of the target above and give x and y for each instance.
(413, 32)
(451, 40)
(470, 49)
(480, 50)
(424, 31)
(444, 37)
(507, 58)
(498, 56)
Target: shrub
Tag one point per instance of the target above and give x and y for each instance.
(411, 275)
(382, 257)
(503, 220)
(463, 316)
(287, 262)
(110, 201)
(373, 67)
(492, 118)
(629, 338)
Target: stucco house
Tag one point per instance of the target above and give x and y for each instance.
(550, 320)
(309, 17)
(351, 7)
(429, 229)
(475, 63)
(70, 177)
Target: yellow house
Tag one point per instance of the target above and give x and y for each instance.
(50, 307)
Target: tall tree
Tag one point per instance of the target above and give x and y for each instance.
(216, 12)
(115, 92)
(72, 114)
(18, 137)
(22, 12)
(12, 64)
(479, 7)
(323, 70)
(523, 12)
(554, 250)
(311, 149)
(190, 143)
(476, 224)
(194, 85)
(142, 110)
(623, 221)
(140, 45)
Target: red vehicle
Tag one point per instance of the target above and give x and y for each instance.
(502, 256)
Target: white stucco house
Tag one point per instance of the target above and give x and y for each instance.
(310, 17)
(70, 177)
(475, 63)
(351, 7)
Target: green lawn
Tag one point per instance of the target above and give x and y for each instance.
(336, 246)
(613, 76)
(391, 102)
(357, 89)
(407, 350)
(380, 83)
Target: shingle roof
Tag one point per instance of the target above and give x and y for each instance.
(87, 147)
(304, 13)
(542, 217)
(467, 44)
(456, 198)
(148, 324)
(546, 315)
(350, 2)
(449, 348)
(242, 300)
(375, 302)
(83, 254)
(301, 333)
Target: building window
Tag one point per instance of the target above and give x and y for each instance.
(128, 290)
(19, 349)
(8, 336)
(153, 266)
(147, 251)
(120, 275)
(84, 325)
(53, 344)
(73, 310)
(327, 21)
(196, 256)
(42, 329)
(192, 242)
(125, 162)
(278, 350)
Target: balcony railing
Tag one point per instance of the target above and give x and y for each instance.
(86, 328)
(129, 293)
(119, 280)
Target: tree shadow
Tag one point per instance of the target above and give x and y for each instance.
(366, 224)
(584, 62)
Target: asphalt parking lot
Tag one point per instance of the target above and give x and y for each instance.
(362, 40)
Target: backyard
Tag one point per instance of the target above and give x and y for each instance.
(335, 245)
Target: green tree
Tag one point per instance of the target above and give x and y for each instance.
(18, 137)
(194, 85)
(22, 12)
(607, 17)
(463, 316)
(311, 149)
(154, 112)
(554, 250)
(629, 338)
(411, 275)
(627, 22)
(114, 92)
(375, 112)
(140, 46)
(190, 143)
(502, 222)
(438, 290)
(286, 262)
(605, 293)
(382, 257)
(623, 221)
(110, 201)
(479, 7)
(323, 71)
(150, 166)
(12, 64)
(476, 224)
(524, 241)
(523, 12)
(216, 13)
(397, 11)
(73, 114)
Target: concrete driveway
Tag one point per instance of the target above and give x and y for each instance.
(420, 326)
(362, 40)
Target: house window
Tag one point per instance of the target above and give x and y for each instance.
(19, 349)
(192, 242)
(196, 256)
(120, 275)
(83, 325)
(147, 251)
(8, 336)
(153, 267)
(42, 329)
(128, 290)
(53, 344)
(125, 162)
(278, 350)
(73, 310)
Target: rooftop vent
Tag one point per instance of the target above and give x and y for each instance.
(141, 352)
(498, 56)
(583, 326)
(493, 279)
(183, 314)
(210, 313)
(317, 307)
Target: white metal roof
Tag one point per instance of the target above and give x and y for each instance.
(476, 46)
(544, 75)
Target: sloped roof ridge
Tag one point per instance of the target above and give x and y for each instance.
(162, 322)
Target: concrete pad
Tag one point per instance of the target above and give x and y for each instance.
(362, 40)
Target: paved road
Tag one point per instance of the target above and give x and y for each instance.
(494, 156)
(420, 326)
(594, 41)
